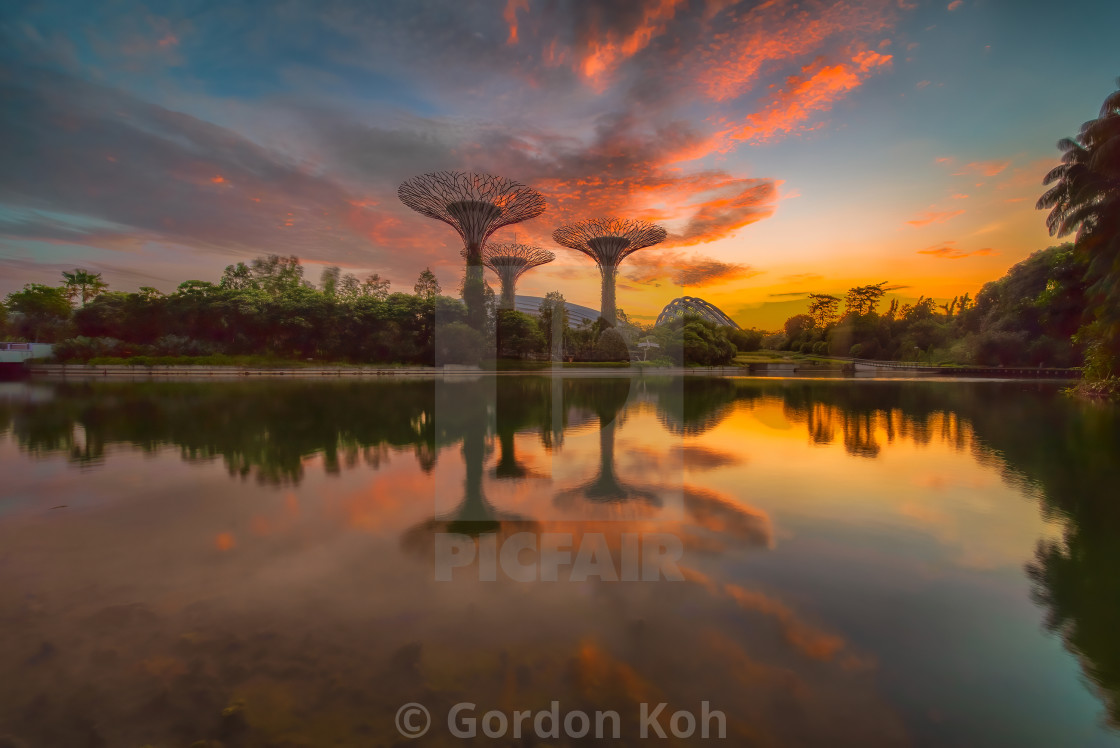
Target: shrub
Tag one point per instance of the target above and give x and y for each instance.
(458, 343)
(611, 346)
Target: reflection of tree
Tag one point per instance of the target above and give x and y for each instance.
(1064, 451)
(1060, 450)
(689, 406)
(262, 428)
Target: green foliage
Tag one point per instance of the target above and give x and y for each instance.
(459, 343)
(1026, 318)
(269, 312)
(1085, 198)
(83, 284)
(520, 334)
(611, 346)
(745, 340)
(552, 307)
(40, 313)
(427, 285)
(691, 340)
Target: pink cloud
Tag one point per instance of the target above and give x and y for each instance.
(929, 217)
(983, 168)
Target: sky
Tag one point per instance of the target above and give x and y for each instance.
(787, 146)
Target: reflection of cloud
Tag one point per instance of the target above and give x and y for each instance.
(699, 457)
(807, 639)
(721, 516)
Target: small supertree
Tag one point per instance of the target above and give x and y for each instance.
(511, 261)
(475, 205)
(609, 241)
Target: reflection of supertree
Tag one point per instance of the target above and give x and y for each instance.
(463, 411)
(521, 404)
(609, 241)
(475, 205)
(607, 398)
(511, 261)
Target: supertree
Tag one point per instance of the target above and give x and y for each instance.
(511, 261)
(475, 205)
(609, 241)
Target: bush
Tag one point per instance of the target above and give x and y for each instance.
(82, 349)
(774, 341)
(611, 346)
(178, 345)
(458, 343)
(745, 340)
(999, 348)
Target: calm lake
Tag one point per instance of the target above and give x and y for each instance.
(864, 563)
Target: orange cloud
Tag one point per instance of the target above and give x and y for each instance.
(510, 16)
(604, 55)
(815, 90)
(744, 43)
(953, 253)
(929, 217)
(955, 4)
(985, 168)
(696, 271)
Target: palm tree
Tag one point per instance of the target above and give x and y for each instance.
(84, 284)
(1084, 197)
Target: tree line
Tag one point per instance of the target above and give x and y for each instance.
(1060, 307)
(266, 308)
(1029, 317)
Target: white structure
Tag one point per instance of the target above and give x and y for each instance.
(17, 353)
(577, 314)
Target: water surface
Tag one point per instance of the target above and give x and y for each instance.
(252, 563)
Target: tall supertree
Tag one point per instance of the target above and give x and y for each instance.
(511, 261)
(609, 241)
(475, 205)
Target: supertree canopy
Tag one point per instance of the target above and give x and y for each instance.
(609, 241)
(475, 205)
(511, 261)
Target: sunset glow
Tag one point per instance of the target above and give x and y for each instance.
(788, 147)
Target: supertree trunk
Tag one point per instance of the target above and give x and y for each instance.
(607, 309)
(474, 290)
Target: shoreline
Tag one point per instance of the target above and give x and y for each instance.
(762, 371)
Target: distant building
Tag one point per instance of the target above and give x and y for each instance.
(690, 305)
(577, 314)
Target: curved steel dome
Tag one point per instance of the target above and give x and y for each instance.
(693, 306)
